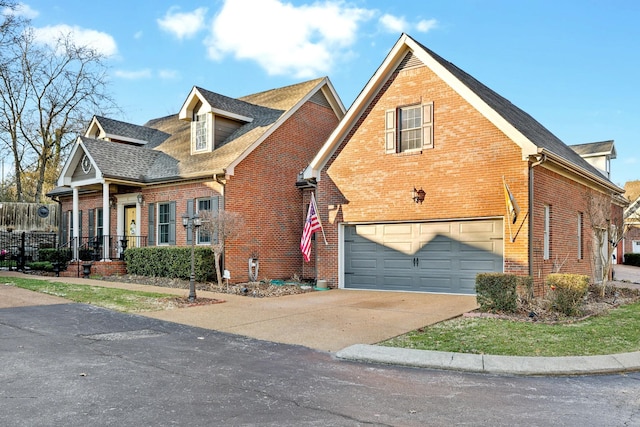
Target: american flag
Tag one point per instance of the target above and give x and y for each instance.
(311, 225)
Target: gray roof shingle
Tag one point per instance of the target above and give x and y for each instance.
(167, 154)
(519, 119)
(591, 148)
(129, 130)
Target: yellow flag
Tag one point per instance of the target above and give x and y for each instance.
(512, 206)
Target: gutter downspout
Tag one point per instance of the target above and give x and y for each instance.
(541, 158)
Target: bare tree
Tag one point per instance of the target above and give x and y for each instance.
(607, 230)
(48, 93)
(221, 226)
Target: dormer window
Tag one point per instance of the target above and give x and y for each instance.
(201, 133)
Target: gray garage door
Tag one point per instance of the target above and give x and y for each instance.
(422, 257)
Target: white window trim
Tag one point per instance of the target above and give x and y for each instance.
(392, 129)
(197, 209)
(546, 240)
(580, 225)
(208, 119)
(158, 224)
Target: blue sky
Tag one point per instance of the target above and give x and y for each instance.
(573, 65)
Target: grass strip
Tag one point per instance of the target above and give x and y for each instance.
(617, 331)
(112, 298)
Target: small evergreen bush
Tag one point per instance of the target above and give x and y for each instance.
(172, 262)
(567, 292)
(632, 259)
(497, 292)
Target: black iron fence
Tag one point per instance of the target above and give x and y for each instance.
(19, 249)
(94, 249)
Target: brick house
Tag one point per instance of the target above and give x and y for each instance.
(431, 177)
(128, 185)
(631, 242)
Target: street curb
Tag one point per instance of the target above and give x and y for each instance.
(492, 364)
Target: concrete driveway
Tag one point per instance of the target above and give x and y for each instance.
(327, 320)
(323, 320)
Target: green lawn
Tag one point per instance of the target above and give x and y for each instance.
(111, 298)
(617, 331)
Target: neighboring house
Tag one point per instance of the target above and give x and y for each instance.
(127, 185)
(431, 177)
(631, 242)
(598, 154)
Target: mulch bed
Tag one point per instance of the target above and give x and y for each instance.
(249, 289)
(541, 310)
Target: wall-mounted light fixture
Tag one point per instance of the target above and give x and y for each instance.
(418, 195)
(140, 199)
(113, 202)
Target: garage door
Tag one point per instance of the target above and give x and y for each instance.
(422, 257)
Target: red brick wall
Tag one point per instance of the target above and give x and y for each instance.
(462, 175)
(179, 193)
(566, 199)
(632, 234)
(264, 188)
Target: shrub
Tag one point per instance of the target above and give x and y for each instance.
(40, 265)
(567, 292)
(54, 255)
(172, 262)
(632, 259)
(497, 292)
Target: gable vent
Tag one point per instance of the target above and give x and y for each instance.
(320, 99)
(409, 61)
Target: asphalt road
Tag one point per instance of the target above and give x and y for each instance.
(79, 365)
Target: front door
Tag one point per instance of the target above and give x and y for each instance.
(130, 226)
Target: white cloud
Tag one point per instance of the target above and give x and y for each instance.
(168, 74)
(398, 24)
(183, 24)
(144, 73)
(394, 24)
(426, 25)
(283, 38)
(138, 35)
(101, 42)
(21, 9)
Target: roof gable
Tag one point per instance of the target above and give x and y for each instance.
(115, 130)
(593, 149)
(533, 138)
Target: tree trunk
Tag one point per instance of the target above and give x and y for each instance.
(216, 256)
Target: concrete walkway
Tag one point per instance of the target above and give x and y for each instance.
(351, 322)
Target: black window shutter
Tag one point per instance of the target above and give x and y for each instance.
(151, 239)
(190, 210)
(215, 209)
(92, 230)
(80, 226)
(172, 223)
(64, 237)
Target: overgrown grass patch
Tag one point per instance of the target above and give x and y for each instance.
(111, 298)
(617, 331)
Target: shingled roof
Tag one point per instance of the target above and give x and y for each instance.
(519, 119)
(509, 115)
(595, 149)
(116, 128)
(166, 154)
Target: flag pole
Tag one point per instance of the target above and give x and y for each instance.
(315, 207)
(506, 197)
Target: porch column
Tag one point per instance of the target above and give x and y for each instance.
(75, 219)
(106, 226)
